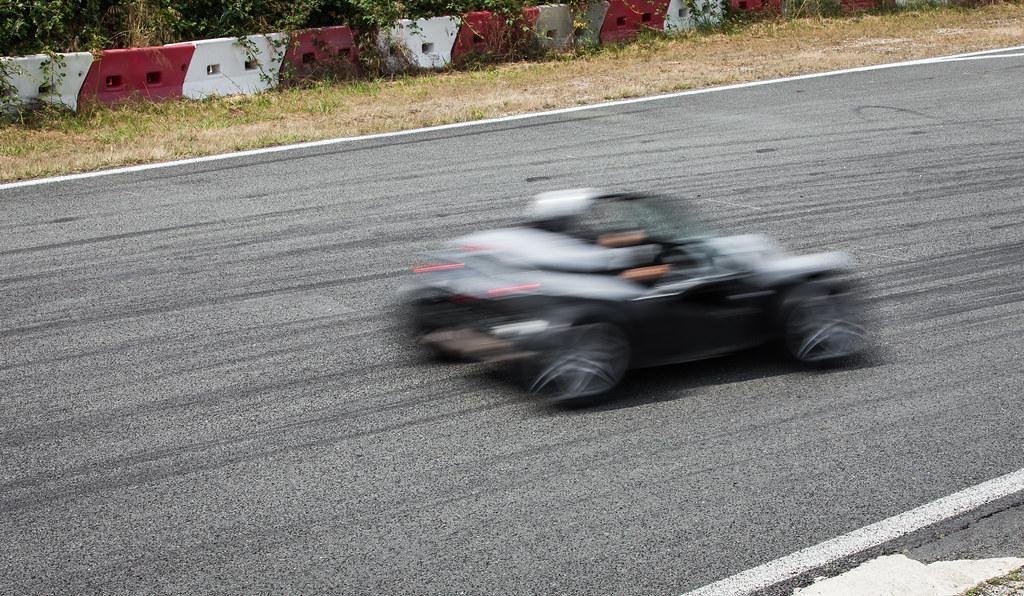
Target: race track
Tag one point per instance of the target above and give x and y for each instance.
(204, 385)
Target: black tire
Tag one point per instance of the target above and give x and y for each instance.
(820, 324)
(417, 324)
(585, 363)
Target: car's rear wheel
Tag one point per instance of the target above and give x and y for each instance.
(820, 325)
(422, 317)
(585, 362)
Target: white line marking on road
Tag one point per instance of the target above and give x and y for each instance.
(965, 58)
(513, 118)
(840, 547)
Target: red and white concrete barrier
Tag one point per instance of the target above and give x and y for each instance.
(678, 18)
(255, 63)
(625, 19)
(324, 48)
(554, 27)
(153, 74)
(229, 66)
(42, 78)
(423, 43)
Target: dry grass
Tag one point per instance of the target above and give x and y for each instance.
(55, 144)
(1008, 585)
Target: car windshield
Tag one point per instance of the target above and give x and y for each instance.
(615, 219)
(666, 219)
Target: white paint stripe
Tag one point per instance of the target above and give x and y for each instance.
(414, 131)
(965, 58)
(830, 551)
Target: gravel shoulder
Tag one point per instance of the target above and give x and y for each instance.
(1007, 585)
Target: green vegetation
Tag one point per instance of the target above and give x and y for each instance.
(33, 26)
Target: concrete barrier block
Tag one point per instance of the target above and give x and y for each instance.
(229, 66)
(153, 73)
(554, 27)
(41, 78)
(706, 13)
(753, 5)
(423, 43)
(627, 18)
(314, 52)
(852, 6)
(496, 35)
(593, 18)
(678, 17)
(480, 33)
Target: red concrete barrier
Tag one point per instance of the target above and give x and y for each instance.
(755, 4)
(487, 33)
(857, 5)
(150, 73)
(530, 16)
(312, 50)
(626, 18)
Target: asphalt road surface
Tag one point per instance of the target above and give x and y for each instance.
(204, 386)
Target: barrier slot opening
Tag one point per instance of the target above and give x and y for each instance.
(645, 18)
(153, 78)
(308, 58)
(427, 48)
(212, 69)
(252, 64)
(112, 81)
(620, 22)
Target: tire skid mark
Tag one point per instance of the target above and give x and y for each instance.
(191, 304)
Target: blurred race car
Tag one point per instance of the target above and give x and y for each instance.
(596, 283)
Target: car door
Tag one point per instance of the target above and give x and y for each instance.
(700, 317)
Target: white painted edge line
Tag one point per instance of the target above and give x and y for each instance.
(835, 549)
(513, 118)
(966, 58)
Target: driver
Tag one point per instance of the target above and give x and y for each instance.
(642, 266)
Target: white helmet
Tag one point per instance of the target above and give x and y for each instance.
(559, 205)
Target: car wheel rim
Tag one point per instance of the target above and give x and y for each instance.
(591, 361)
(820, 329)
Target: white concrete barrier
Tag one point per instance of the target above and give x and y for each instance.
(423, 43)
(593, 19)
(39, 77)
(706, 13)
(554, 27)
(678, 18)
(228, 66)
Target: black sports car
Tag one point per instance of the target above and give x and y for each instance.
(594, 284)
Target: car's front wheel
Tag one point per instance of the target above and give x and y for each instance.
(584, 363)
(820, 324)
